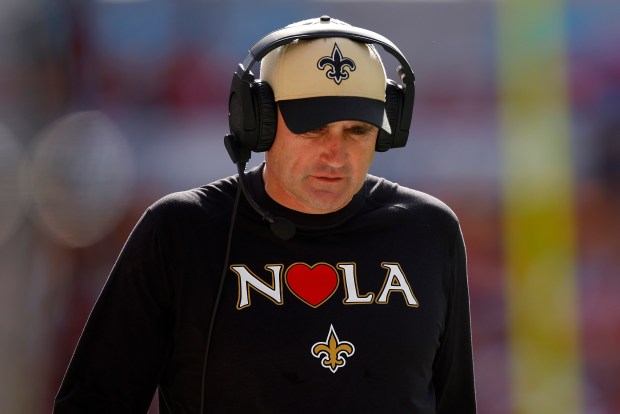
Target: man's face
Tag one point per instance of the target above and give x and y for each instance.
(319, 171)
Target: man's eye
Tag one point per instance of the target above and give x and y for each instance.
(314, 132)
(361, 130)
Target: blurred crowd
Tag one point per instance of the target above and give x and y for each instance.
(107, 105)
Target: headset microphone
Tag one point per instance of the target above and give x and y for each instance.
(282, 228)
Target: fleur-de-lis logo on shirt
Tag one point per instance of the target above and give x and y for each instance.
(333, 351)
(337, 64)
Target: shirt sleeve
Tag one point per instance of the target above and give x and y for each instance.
(453, 372)
(121, 352)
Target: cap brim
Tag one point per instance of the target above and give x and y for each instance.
(303, 115)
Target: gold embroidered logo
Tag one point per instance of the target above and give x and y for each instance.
(332, 352)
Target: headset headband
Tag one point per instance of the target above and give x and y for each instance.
(288, 34)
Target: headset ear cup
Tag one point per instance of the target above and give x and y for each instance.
(242, 115)
(384, 141)
(268, 115)
(393, 108)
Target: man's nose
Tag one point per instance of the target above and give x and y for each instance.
(334, 148)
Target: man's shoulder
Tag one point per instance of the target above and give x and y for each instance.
(211, 199)
(392, 195)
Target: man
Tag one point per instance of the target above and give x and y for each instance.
(357, 304)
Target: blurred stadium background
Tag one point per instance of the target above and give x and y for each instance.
(107, 105)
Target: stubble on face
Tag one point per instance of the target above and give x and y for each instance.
(320, 171)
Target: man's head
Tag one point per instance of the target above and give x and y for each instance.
(330, 95)
(328, 81)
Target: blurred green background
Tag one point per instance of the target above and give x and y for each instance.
(107, 105)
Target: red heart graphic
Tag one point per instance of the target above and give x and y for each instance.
(312, 284)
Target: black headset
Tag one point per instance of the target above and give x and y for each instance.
(252, 114)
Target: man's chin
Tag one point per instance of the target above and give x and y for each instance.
(327, 201)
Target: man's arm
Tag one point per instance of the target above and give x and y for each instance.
(453, 372)
(120, 355)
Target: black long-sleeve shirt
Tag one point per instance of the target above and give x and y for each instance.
(365, 310)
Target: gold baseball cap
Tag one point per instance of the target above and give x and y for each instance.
(323, 80)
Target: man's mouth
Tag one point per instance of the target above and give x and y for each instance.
(328, 179)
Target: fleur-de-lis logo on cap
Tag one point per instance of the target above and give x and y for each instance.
(333, 351)
(337, 64)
